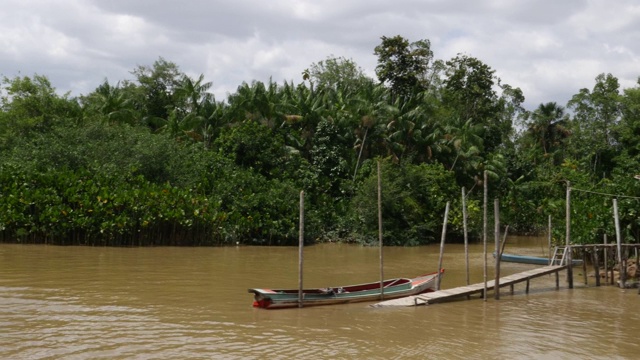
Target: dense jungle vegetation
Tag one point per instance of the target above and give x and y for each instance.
(156, 160)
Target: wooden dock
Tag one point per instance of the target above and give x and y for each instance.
(449, 294)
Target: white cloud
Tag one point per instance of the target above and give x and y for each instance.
(548, 48)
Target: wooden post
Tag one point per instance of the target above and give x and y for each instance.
(637, 264)
(584, 265)
(444, 234)
(380, 233)
(596, 266)
(618, 241)
(527, 289)
(466, 236)
(300, 250)
(606, 260)
(568, 238)
(484, 234)
(496, 221)
(504, 240)
(549, 240)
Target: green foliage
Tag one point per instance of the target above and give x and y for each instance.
(596, 114)
(31, 105)
(251, 145)
(413, 204)
(157, 161)
(337, 73)
(547, 134)
(403, 65)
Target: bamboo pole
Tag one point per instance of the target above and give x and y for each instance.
(568, 238)
(618, 242)
(444, 234)
(496, 232)
(300, 251)
(606, 260)
(466, 235)
(584, 266)
(549, 239)
(380, 233)
(504, 240)
(484, 235)
(596, 265)
(637, 261)
(364, 139)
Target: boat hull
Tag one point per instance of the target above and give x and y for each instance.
(393, 288)
(535, 260)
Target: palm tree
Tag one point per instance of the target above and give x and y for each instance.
(112, 103)
(194, 93)
(548, 128)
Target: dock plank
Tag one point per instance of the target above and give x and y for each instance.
(448, 294)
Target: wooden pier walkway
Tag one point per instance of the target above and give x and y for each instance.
(448, 294)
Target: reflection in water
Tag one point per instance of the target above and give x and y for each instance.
(110, 303)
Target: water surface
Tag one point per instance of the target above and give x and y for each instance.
(192, 303)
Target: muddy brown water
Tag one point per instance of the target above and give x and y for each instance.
(192, 303)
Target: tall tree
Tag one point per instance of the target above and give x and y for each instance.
(336, 73)
(548, 130)
(403, 65)
(155, 95)
(31, 103)
(112, 104)
(596, 113)
(469, 93)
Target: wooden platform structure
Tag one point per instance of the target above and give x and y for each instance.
(449, 294)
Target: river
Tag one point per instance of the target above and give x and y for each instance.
(192, 303)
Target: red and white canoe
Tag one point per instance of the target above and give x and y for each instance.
(393, 288)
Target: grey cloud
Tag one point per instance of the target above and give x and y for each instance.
(548, 48)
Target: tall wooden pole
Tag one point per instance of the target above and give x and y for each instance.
(380, 233)
(606, 261)
(496, 230)
(300, 250)
(549, 239)
(568, 238)
(484, 234)
(444, 235)
(466, 235)
(619, 243)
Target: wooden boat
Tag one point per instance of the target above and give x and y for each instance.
(393, 288)
(525, 259)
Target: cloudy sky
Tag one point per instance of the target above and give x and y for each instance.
(548, 48)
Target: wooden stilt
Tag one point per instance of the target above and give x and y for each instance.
(300, 250)
(444, 235)
(466, 236)
(549, 239)
(527, 289)
(618, 241)
(584, 266)
(568, 237)
(606, 261)
(637, 264)
(596, 265)
(496, 221)
(484, 233)
(380, 234)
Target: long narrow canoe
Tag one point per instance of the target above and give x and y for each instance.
(393, 288)
(525, 259)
